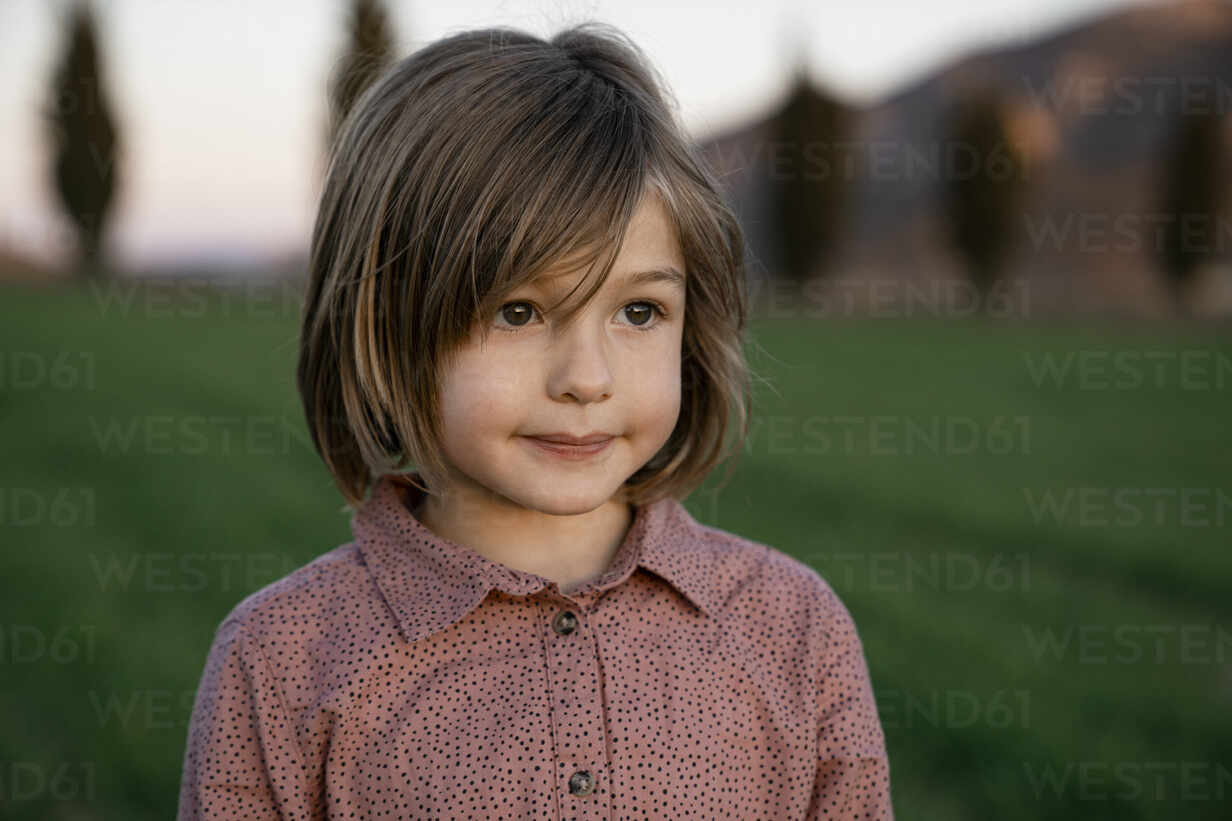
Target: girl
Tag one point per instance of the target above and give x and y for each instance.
(525, 284)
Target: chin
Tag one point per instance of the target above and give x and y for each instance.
(563, 496)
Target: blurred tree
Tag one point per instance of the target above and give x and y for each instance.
(1192, 199)
(82, 134)
(369, 52)
(805, 181)
(983, 187)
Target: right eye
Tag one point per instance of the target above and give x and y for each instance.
(517, 314)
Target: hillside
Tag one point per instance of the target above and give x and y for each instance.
(1094, 107)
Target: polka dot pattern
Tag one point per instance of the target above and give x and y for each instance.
(401, 675)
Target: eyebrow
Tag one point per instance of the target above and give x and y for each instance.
(668, 274)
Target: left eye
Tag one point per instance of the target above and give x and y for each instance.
(641, 312)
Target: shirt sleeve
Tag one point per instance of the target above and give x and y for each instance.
(853, 768)
(242, 758)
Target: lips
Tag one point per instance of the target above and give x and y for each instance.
(566, 439)
(564, 446)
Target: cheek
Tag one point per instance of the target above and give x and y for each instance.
(479, 392)
(659, 392)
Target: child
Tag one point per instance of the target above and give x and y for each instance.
(528, 623)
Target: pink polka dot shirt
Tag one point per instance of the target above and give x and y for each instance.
(401, 675)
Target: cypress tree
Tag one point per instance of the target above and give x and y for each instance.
(83, 138)
(805, 182)
(1192, 199)
(982, 188)
(369, 51)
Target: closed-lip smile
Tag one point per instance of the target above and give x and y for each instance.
(568, 439)
(571, 448)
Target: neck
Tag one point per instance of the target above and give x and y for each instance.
(569, 550)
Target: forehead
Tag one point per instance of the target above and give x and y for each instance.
(650, 253)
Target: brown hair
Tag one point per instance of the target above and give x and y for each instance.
(467, 169)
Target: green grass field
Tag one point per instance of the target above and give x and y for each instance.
(1030, 523)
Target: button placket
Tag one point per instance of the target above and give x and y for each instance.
(577, 702)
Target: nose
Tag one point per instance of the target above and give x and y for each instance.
(581, 368)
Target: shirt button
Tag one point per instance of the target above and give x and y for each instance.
(565, 622)
(581, 783)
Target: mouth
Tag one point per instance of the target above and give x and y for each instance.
(569, 447)
(570, 439)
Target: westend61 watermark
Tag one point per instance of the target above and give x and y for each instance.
(889, 435)
(38, 781)
(878, 160)
(1197, 644)
(191, 297)
(145, 709)
(187, 572)
(906, 571)
(776, 298)
(1187, 507)
(39, 371)
(58, 507)
(1186, 369)
(954, 709)
(34, 644)
(1132, 94)
(196, 434)
(1101, 232)
(1130, 780)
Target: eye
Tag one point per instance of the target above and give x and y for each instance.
(644, 312)
(641, 314)
(516, 313)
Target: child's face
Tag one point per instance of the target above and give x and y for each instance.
(614, 370)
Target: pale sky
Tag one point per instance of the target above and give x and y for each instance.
(222, 101)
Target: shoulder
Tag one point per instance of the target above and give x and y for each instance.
(317, 592)
(760, 581)
(762, 565)
(778, 610)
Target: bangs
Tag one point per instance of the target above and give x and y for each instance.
(575, 200)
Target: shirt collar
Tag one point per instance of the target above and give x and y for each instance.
(430, 582)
